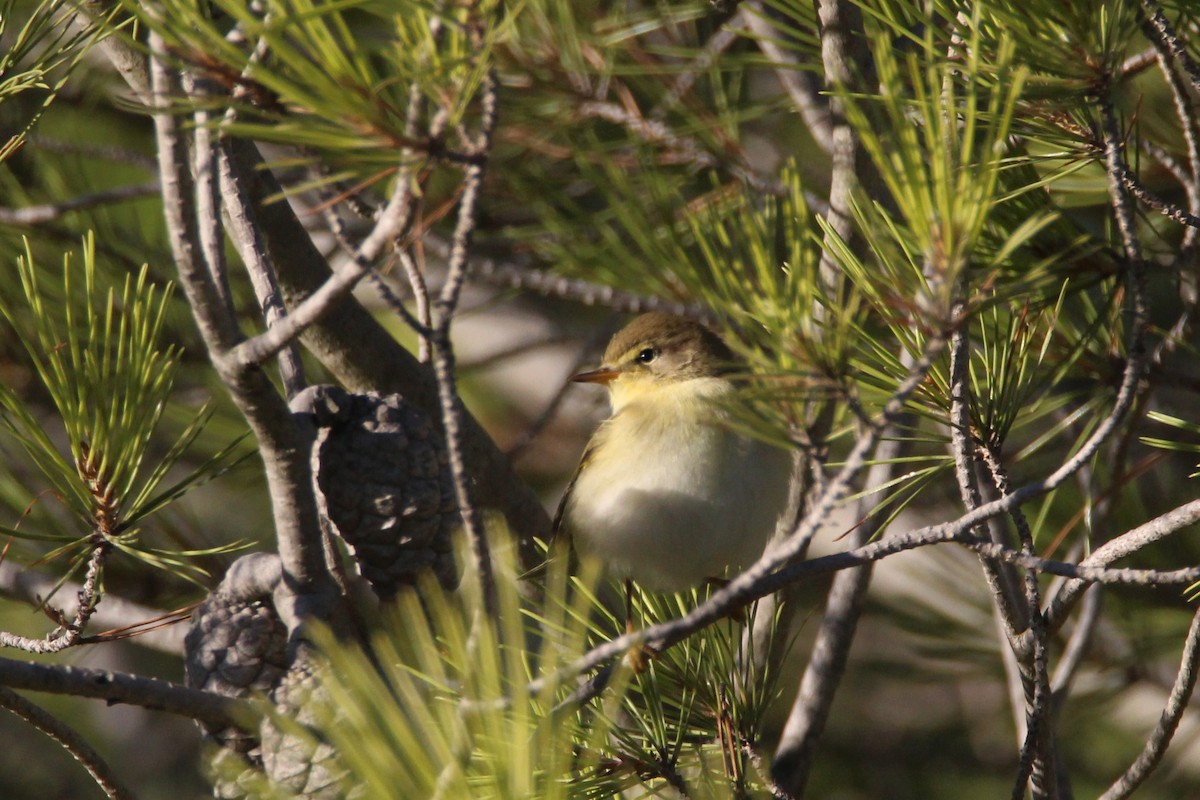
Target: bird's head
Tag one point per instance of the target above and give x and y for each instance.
(657, 351)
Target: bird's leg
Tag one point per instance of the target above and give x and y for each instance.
(628, 605)
(638, 656)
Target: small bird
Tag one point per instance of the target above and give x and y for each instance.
(667, 494)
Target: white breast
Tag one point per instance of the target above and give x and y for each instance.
(687, 499)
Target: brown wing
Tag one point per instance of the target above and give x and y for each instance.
(556, 526)
(558, 536)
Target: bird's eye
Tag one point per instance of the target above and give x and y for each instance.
(647, 355)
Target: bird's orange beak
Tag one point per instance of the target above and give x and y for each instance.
(601, 375)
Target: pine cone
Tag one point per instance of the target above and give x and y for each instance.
(237, 645)
(383, 483)
(301, 766)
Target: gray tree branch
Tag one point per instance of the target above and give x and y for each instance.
(1160, 738)
(120, 687)
(70, 740)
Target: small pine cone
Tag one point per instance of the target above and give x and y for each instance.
(383, 484)
(303, 767)
(237, 645)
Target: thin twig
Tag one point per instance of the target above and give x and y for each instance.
(831, 651)
(1137, 63)
(1132, 577)
(443, 350)
(743, 590)
(87, 598)
(848, 66)
(681, 149)
(40, 214)
(392, 301)
(124, 155)
(416, 278)
(777, 791)
(208, 195)
(1160, 738)
(1185, 112)
(962, 444)
(1077, 645)
(1166, 159)
(515, 276)
(420, 291)
(70, 740)
(1164, 35)
(245, 227)
(1164, 207)
(114, 612)
(1120, 547)
(587, 690)
(1035, 763)
(247, 237)
(796, 81)
(535, 428)
(523, 348)
(718, 43)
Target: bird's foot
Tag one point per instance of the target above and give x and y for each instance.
(638, 656)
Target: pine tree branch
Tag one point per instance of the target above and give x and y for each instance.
(68, 634)
(809, 714)
(1151, 200)
(1137, 63)
(208, 195)
(516, 276)
(120, 687)
(1163, 34)
(1117, 548)
(962, 444)
(284, 440)
(798, 82)
(1077, 645)
(740, 591)
(1160, 738)
(720, 41)
(1036, 765)
(246, 233)
(420, 293)
(47, 212)
(358, 350)
(416, 277)
(114, 612)
(680, 149)
(122, 155)
(848, 67)
(1185, 112)
(70, 740)
(443, 349)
